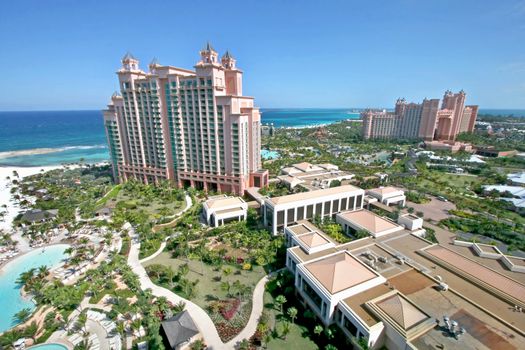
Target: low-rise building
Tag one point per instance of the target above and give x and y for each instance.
(219, 210)
(38, 215)
(410, 222)
(312, 176)
(279, 212)
(388, 195)
(375, 225)
(401, 292)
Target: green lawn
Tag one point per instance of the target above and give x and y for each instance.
(209, 286)
(298, 335)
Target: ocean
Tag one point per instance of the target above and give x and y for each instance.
(56, 137)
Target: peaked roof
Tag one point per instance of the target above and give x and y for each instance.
(227, 54)
(208, 47)
(313, 239)
(154, 62)
(179, 329)
(368, 221)
(402, 311)
(339, 272)
(128, 56)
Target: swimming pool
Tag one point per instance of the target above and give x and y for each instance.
(49, 346)
(10, 299)
(268, 154)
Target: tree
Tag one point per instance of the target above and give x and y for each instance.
(285, 330)
(81, 322)
(292, 313)
(330, 347)
(280, 300)
(31, 331)
(22, 315)
(318, 330)
(244, 345)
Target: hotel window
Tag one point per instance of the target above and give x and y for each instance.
(310, 211)
(300, 213)
(326, 208)
(335, 205)
(350, 327)
(290, 216)
(359, 201)
(351, 203)
(280, 217)
(319, 209)
(343, 204)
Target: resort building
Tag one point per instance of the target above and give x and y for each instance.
(388, 195)
(191, 127)
(280, 212)
(219, 210)
(400, 291)
(364, 220)
(312, 176)
(422, 121)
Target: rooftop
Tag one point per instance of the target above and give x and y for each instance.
(368, 221)
(333, 272)
(314, 194)
(223, 201)
(385, 190)
(313, 239)
(402, 311)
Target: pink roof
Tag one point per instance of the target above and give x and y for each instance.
(339, 272)
(492, 278)
(313, 239)
(368, 220)
(401, 311)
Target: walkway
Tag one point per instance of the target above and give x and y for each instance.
(199, 316)
(172, 222)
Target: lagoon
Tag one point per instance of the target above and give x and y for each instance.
(10, 299)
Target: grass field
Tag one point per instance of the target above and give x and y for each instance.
(209, 286)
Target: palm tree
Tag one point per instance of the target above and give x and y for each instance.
(31, 331)
(22, 315)
(292, 312)
(318, 330)
(280, 300)
(81, 322)
(285, 329)
(43, 271)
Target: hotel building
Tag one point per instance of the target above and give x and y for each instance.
(191, 127)
(400, 291)
(279, 212)
(424, 121)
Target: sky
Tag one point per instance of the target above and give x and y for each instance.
(63, 55)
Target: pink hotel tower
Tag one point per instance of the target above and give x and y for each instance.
(425, 120)
(193, 128)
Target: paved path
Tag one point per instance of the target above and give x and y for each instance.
(257, 309)
(94, 327)
(157, 253)
(199, 316)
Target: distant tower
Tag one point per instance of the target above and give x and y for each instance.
(232, 75)
(209, 55)
(129, 62)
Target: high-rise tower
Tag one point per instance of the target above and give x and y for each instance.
(192, 127)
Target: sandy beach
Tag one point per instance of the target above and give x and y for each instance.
(5, 188)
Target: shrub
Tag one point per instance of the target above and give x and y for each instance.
(247, 266)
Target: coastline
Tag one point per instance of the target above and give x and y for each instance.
(13, 208)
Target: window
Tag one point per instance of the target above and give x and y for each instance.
(326, 208)
(350, 327)
(343, 204)
(318, 209)
(280, 217)
(310, 211)
(290, 216)
(359, 202)
(300, 213)
(335, 205)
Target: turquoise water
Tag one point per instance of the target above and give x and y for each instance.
(49, 346)
(10, 299)
(56, 137)
(267, 154)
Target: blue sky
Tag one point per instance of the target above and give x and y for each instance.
(63, 54)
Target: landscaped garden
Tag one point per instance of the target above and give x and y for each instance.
(219, 270)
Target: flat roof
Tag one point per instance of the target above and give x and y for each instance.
(313, 194)
(304, 257)
(472, 268)
(340, 271)
(230, 210)
(215, 203)
(385, 190)
(368, 220)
